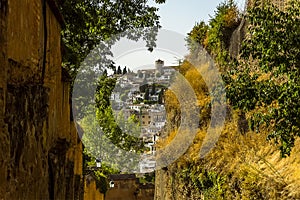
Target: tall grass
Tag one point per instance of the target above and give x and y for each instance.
(249, 166)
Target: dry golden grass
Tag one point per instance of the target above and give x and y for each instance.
(248, 159)
(165, 141)
(253, 160)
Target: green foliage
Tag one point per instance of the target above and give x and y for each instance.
(270, 84)
(225, 21)
(161, 95)
(249, 187)
(101, 175)
(97, 144)
(101, 182)
(124, 71)
(215, 37)
(143, 88)
(148, 178)
(147, 93)
(126, 139)
(91, 23)
(124, 95)
(208, 183)
(196, 38)
(109, 135)
(153, 89)
(119, 71)
(264, 84)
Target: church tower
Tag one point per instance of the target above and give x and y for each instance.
(159, 64)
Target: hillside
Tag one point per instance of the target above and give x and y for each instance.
(256, 154)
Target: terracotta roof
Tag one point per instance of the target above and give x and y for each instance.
(122, 177)
(146, 186)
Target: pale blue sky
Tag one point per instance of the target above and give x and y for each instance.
(177, 18)
(181, 15)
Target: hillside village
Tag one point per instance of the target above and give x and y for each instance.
(140, 95)
(43, 155)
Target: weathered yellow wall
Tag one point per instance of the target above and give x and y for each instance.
(127, 189)
(122, 190)
(40, 153)
(91, 192)
(25, 35)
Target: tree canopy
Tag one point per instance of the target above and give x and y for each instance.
(92, 22)
(215, 36)
(91, 28)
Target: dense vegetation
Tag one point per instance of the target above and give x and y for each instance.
(262, 124)
(266, 78)
(215, 36)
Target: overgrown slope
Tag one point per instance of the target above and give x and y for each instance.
(257, 153)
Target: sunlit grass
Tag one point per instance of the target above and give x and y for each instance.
(252, 165)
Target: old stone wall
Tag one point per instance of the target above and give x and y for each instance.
(123, 189)
(165, 187)
(40, 152)
(90, 189)
(145, 192)
(236, 39)
(127, 186)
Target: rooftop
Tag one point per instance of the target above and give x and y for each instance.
(122, 177)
